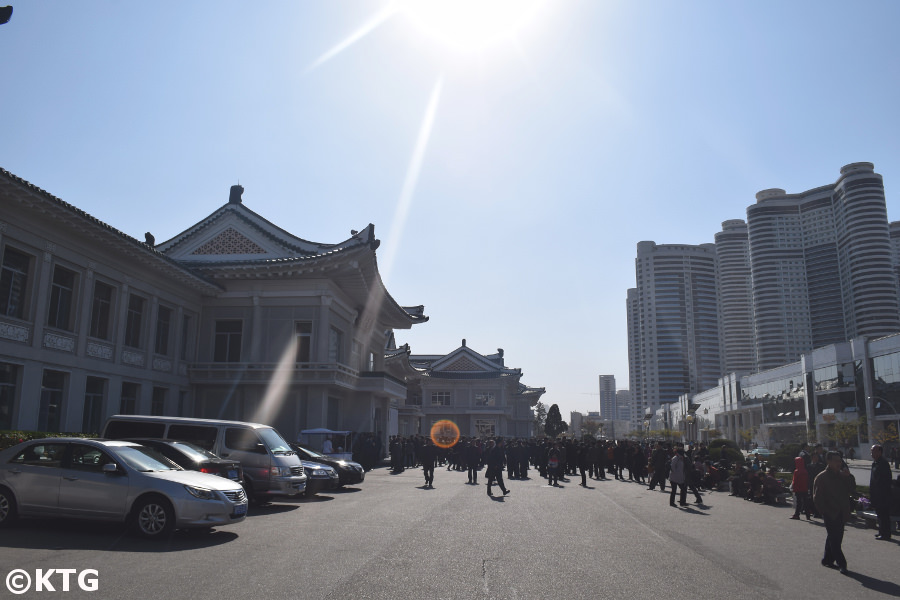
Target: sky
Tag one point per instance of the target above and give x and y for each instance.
(510, 154)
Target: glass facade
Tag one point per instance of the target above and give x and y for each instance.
(839, 388)
(781, 399)
(886, 384)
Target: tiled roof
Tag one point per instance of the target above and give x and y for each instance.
(77, 212)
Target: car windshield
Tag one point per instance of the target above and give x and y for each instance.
(194, 452)
(313, 453)
(273, 441)
(144, 459)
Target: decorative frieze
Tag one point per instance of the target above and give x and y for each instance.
(16, 333)
(130, 357)
(161, 364)
(54, 341)
(96, 350)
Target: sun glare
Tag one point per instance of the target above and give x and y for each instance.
(469, 25)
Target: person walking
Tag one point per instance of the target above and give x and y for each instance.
(494, 460)
(831, 494)
(659, 459)
(677, 477)
(880, 490)
(800, 487)
(554, 465)
(428, 457)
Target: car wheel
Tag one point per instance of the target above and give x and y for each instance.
(8, 512)
(154, 517)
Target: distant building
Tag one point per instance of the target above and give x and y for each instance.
(735, 297)
(623, 405)
(823, 266)
(673, 329)
(608, 397)
(479, 393)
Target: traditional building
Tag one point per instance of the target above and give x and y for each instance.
(478, 392)
(232, 318)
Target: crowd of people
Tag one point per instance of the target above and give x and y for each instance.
(821, 484)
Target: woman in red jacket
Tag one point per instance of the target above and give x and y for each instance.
(800, 487)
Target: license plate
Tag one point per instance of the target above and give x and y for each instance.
(232, 474)
(240, 509)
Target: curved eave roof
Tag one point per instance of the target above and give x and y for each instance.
(353, 268)
(267, 229)
(76, 219)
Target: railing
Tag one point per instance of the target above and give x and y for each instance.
(308, 372)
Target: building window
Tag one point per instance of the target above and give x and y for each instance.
(303, 331)
(185, 337)
(440, 398)
(228, 341)
(134, 321)
(370, 362)
(62, 298)
(158, 403)
(336, 346)
(14, 283)
(485, 399)
(101, 309)
(130, 394)
(53, 390)
(94, 392)
(9, 377)
(163, 329)
(485, 428)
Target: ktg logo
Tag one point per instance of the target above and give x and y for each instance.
(19, 581)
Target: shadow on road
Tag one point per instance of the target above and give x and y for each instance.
(52, 534)
(885, 587)
(271, 509)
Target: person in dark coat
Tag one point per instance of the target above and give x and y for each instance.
(832, 489)
(880, 489)
(428, 456)
(554, 465)
(494, 458)
(659, 459)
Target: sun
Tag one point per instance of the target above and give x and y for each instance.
(469, 25)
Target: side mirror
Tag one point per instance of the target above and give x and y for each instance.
(111, 468)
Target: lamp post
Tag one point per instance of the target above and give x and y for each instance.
(689, 427)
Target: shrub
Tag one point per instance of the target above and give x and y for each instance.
(784, 457)
(734, 455)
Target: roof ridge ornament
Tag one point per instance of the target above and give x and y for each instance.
(234, 197)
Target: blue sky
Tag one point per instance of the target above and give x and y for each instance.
(542, 160)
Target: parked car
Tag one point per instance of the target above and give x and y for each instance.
(761, 452)
(114, 481)
(194, 458)
(271, 468)
(320, 478)
(349, 472)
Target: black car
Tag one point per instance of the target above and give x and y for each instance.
(194, 458)
(349, 472)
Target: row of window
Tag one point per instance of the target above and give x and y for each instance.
(16, 271)
(446, 399)
(54, 387)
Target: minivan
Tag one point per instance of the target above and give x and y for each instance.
(271, 468)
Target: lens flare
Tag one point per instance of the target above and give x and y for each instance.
(444, 434)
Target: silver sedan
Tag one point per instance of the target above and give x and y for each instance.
(113, 481)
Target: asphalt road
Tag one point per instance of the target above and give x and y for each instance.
(391, 539)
